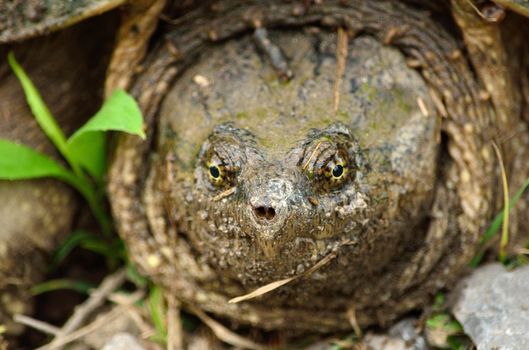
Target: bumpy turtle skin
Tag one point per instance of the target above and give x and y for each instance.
(467, 188)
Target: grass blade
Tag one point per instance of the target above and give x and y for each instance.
(58, 284)
(498, 219)
(158, 313)
(494, 227)
(41, 112)
(70, 243)
(505, 224)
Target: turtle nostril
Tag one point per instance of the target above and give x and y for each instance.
(267, 213)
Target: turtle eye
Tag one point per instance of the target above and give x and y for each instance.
(326, 164)
(220, 174)
(214, 172)
(337, 171)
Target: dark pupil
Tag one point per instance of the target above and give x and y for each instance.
(337, 171)
(214, 171)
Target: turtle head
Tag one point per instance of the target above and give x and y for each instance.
(277, 194)
(265, 178)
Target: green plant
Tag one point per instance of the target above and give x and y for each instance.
(496, 224)
(443, 329)
(84, 151)
(85, 154)
(158, 312)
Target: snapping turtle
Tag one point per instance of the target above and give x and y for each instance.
(341, 150)
(356, 171)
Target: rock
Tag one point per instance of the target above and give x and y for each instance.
(492, 304)
(123, 341)
(402, 336)
(122, 324)
(384, 342)
(408, 331)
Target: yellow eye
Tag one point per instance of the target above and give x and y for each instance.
(215, 173)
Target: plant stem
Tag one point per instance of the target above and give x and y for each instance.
(505, 225)
(84, 187)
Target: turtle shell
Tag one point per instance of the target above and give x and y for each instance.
(20, 20)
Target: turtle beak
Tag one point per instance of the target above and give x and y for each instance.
(268, 206)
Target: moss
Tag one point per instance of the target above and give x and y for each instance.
(368, 90)
(242, 116)
(399, 98)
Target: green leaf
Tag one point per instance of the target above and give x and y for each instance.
(70, 243)
(112, 250)
(495, 226)
(40, 110)
(119, 113)
(19, 162)
(498, 219)
(439, 302)
(57, 284)
(437, 321)
(158, 312)
(134, 276)
(89, 151)
(87, 146)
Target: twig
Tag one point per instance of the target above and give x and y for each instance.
(341, 60)
(274, 53)
(98, 323)
(224, 194)
(224, 333)
(523, 251)
(96, 299)
(422, 106)
(174, 326)
(276, 284)
(263, 290)
(311, 155)
(126, 299)
(146, 329)
(495, 12)
(133, 312)
(37, 324)
(351, 315)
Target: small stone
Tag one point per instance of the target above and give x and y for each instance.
(384, 342)
(123, 341)
(402, 336)
(408, 331)
(492, 305)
